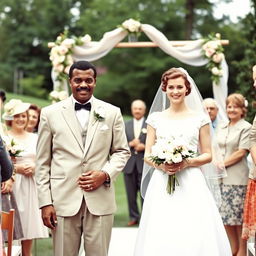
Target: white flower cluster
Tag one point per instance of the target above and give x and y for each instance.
(131, 25)
(61, 52)
(170, 151)
(56, 96)
(213, 51)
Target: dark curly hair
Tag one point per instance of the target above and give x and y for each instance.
(173, 73)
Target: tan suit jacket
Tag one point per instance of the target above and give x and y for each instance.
(62, 158)
(231, 139)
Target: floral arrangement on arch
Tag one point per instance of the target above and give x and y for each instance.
(56, 96)
(214, 52)
(132, 27)
(61, 58)
(61, 52)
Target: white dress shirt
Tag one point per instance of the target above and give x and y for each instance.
(82, 114)
(137, 125)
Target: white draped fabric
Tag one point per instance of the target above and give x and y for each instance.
(190, 54)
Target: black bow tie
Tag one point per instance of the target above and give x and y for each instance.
(86, 106)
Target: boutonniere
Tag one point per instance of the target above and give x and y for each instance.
(144, 130)
(99, 114)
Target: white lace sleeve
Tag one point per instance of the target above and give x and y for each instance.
(152, 119)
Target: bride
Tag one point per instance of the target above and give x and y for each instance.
(186, 222)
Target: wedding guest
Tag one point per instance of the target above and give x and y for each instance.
(7, 196)
(189, 215)
(135, 130)
(212, 109)
(5, 163)
(81, 149)
(16, 116)
(33, 118)
(249, 221)
(233, 140)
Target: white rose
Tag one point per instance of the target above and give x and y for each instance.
(86, 39)
(59, 38)
(217, 35)
(63, 95)
(131, 25)
(58, 60)
(209, 52)
(62, 50)
(51, 44)
(177, 158)
(218, 57)
(217, 72)
(68, 42)
(54, 94)
(54, 50)
(59, 68)
(214, 44)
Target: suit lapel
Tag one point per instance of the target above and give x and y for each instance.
(92, 125)
(69, 115)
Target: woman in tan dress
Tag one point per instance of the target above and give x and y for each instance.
(233, 140)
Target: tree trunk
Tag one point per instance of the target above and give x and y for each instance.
(189, 18)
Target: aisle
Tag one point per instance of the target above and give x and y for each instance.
(122, 241)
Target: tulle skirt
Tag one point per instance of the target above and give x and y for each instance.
(186, 223)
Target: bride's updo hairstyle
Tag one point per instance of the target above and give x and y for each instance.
(173, 73)
(238, 100)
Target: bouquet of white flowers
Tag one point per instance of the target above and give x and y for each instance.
(169, 151)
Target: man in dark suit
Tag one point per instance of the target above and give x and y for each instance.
(136, 135)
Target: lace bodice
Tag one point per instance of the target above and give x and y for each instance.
(187, 129)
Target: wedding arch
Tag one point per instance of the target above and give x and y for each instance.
(64, 51)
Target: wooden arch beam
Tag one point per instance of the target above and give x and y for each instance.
(151, 44)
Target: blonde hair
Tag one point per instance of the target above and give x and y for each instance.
(239, 100)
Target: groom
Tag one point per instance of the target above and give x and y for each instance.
(81, 149)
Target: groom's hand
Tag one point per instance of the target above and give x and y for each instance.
(49, 216)
(91, 180)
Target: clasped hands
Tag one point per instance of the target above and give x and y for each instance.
(27, 169)
(171, 169)
(91, 180)
(137, 145)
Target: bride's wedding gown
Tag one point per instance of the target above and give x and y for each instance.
(186, 223)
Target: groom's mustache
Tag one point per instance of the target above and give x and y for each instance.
(87, 89)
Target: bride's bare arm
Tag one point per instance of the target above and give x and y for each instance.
(205, 148)
(150, 141)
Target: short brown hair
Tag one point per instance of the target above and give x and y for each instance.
(239, 100)
(38, 110)
(173, 73)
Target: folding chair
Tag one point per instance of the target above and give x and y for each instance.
(7, 223)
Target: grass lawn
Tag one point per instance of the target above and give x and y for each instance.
(43, 247)
(29, 99)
